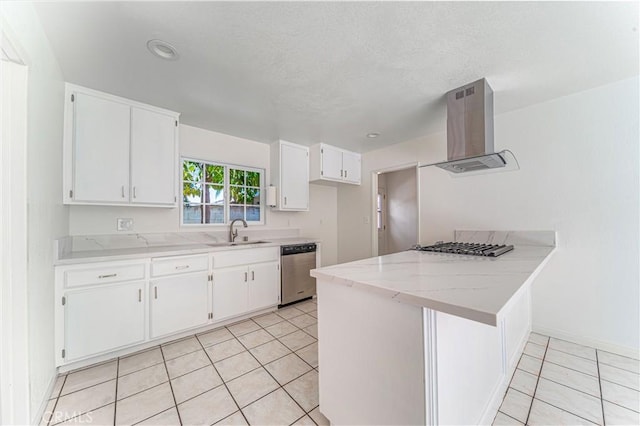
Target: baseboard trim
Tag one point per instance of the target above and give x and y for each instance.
(47, 396)
(586, 341)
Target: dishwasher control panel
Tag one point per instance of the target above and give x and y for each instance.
(298, 248)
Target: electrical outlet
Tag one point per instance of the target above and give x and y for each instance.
(125, 224)
(366, 219)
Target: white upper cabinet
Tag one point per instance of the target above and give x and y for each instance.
(331, 164)
(290, 175)
(117, 151)
(351, 164)
(101, 151)
(153, 157)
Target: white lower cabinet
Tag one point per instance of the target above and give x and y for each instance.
(264, 285)
(103, 318)
(104, 307)
(178, 303)
(242, 289)
(230, 292)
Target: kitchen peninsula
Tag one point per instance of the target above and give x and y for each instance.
(426, 338)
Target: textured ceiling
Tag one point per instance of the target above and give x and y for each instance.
(333, 71)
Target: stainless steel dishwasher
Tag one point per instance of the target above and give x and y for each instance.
(297, 260)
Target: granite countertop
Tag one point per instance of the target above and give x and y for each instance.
(87, 256)
(471, 287)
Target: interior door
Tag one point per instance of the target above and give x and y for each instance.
(100, 149)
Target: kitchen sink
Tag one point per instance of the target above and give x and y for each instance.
(237, 243)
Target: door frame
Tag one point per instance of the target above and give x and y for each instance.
(14, 355)
(374, 195)
(383, 216)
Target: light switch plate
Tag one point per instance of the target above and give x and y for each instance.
(125, 224)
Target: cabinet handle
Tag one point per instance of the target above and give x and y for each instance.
(253, 275)
(341, 173)
(155, 292)
(139, 295)
(134, 192)
(182, 267)
(107, 276)
(285, 201)
(345, 173)
(245, 277)
(122, 191)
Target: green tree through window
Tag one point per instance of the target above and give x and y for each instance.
(204, 189)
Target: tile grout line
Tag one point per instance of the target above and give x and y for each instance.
(164, 362)
(224, 383)
(621, 385)
(77, 416)
(565, 410)
(173, 395)
(526, 422)
(281, 386)
(53, 410)
(115, 397)
(569, 368)
(604, 422)
(505, 414)
(620, 368)
(290, 381)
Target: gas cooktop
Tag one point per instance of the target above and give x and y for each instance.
(473, 249)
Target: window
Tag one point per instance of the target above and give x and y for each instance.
(215, 193)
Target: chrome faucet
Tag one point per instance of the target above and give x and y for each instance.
(233, 234)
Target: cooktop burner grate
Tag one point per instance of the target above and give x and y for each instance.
(473, 249)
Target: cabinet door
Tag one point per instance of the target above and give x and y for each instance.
(230, 292)
(153, 157)
(264, 285)
(331, 167)
(178, 303)
(352, 167)
(103, 318)
(100, 150)
(294, 177)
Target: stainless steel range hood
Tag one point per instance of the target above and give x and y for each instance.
(470, 130)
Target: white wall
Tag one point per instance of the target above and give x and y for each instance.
(402, 208)
(319, 222)
(47, 218)
(579, 176)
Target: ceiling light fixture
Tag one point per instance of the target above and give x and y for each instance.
(373, 135)
(162, 50)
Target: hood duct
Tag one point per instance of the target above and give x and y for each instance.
(470, 130)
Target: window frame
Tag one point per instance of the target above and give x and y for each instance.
(226, 192)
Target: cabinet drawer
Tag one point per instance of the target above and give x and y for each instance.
(104, 274)
(178, 265)
(244, 257)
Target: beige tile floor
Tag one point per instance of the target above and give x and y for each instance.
(262, 371)
(561, 383)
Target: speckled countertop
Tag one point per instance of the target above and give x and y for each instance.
(471, 287)
(87, 256)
